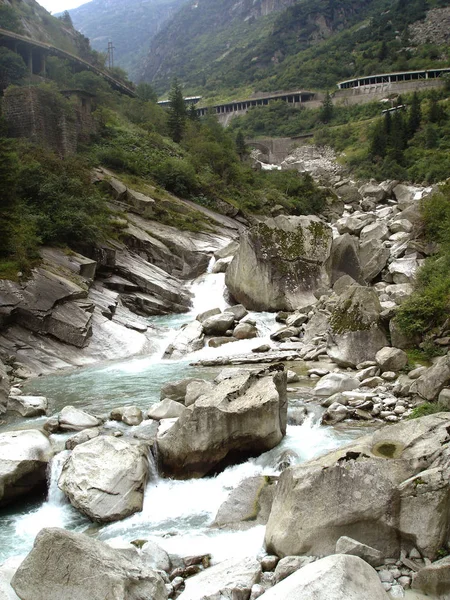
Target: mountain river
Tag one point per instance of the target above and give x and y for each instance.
(176, 514)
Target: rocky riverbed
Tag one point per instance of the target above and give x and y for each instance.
(274, 446)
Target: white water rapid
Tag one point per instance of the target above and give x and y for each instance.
(177, 514)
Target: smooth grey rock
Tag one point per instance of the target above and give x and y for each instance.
(73, 566)
(75, 419)
(365, 491)
(24, 456)
(187, 340)
(335, 413)
(391, 359)
(404, 270)
(249, 503)
(195, 389)
(373, 257)
(132, 415)
(345, 259)
(378, 231)
(280, 263)
(444, 398)
(434, 579)
(105, 478)
(346, 545)
(243, 415)
(176, 390)
(343, 283)
(334, 383)
(208, 313)
(218, 324)
(289, 564)
(337, 577)
(354, 223)
(166, 409)
(221, 265)
(28, 406)
(232, 578)
(245, 331)
(284, 333)
(82, 436)
(429, 385)
(155, 557)
(238, 310)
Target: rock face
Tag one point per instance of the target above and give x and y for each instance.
(24, 456)
(242, 416)
(389, 491)
(105, 478)
(337, 577)
(73, 566)
(356, 335)
(4, 387)
(434, 579)
(232, 578)
(280, 263)
(345, 259)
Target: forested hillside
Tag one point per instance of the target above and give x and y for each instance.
(214, 47)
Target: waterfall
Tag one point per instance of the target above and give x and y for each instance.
(55, 496)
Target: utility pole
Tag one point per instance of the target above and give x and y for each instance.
(110, 51)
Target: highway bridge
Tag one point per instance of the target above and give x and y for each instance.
(34, 54)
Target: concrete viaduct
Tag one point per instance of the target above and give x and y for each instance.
(35, 53)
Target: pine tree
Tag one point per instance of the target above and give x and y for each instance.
(241, 148)
(177, 112)
(66, 19)
(192, 113)
(378, 142)
(435, 111)
(415, 115)
(326, 112)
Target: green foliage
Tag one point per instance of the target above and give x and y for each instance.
(9, 177)
(9, 19)
(12, 68)
(427, 408)
(326, 112)
(427, 309)
(176, 121)
(146, 92)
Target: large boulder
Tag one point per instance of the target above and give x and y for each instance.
(355, 333)
(24, 456)
(434, 579)
(242, 416)
(373, 256)
(337, 577)
(345, 259)
(280, 263)
(232, 578)
(105, 478)
(391, 359)
(73, 566)
(333, 383)
(433, 380)
(365, 491)
(218, 324)
(72, 418)
(28, 406)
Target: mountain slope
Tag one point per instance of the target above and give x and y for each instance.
(129, 25)
(32, 20)
(217, 45)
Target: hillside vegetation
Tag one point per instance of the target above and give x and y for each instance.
(212, 48)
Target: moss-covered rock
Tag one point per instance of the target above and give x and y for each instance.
(356, 334)
(280, 263)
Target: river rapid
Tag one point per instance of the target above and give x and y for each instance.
(177, 514)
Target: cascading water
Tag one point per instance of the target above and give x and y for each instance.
(177, 514)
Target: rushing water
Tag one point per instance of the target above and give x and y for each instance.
(176, 514)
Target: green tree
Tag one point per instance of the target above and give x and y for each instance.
(241, 147)
(415, 115)
(436, 113)
(192, 113)
(326, 112)
(145, 92)
(177, 112)
(9, 177)
(12, 68)
(378, 141)
(66, 19)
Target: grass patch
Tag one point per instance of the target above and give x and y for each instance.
(427, 408)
